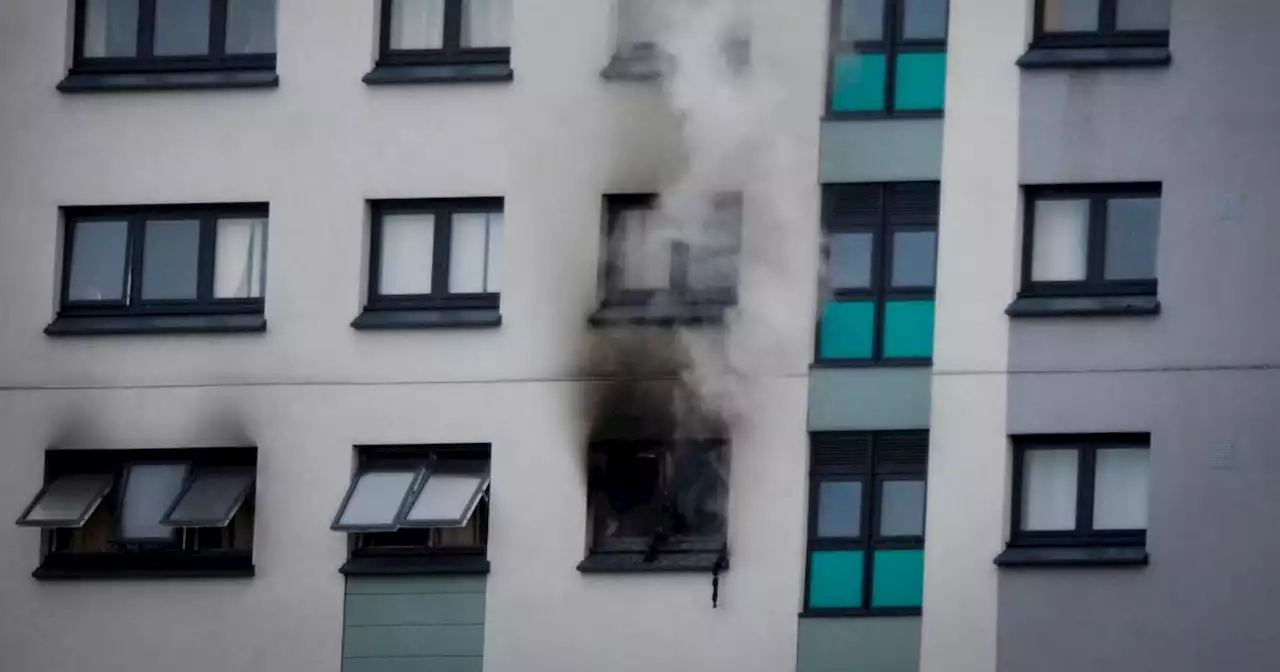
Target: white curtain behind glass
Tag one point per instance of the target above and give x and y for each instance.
(1049, 490)
(474, 254)
(110, 28)
(1060, 242)
(408, 244)
(417, 24)
(1120, 489)
(486, 23)
(149, 491)
(240, 259)
(646, 254)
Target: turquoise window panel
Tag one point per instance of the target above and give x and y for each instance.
(857, 82)
(908, 328)
(898, 578)
(835, 579)
(921, 81)
(848, 330)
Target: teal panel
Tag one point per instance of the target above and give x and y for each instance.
(908, 329)
(848, 330)
(414, 664)
(892, 397)
(442, 609)
(857, 83)
(835, 579)
(880, 150)
(921, 81)
(897, 578)
(394, 585)
(420, 623)
(862, 644)
(382, 641)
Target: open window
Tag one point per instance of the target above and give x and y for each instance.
(417, 510)
(145, 512)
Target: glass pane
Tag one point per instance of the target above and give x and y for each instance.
(646, 253)
(897, 578)
(908, 329)
(857, 83)
(149, 491)
(1133, 233)
(408, 245)
(170, 259)
(921, 81)
(637, 22)
(69, 498)
(923, 19)
(468, 242)
(212, 498)
(849, 260)
(446, 498)
(902, 508)
(251, 26)
(1049, 490)
(240, 260)
(417, 24)
(486, 23)
(1142, 14)
(98, 261)
(1120, 489)
(493, 265)
(182, 27)
(111, 28)
(377, 497)
(701, 489)
(1070, 16)
(848, 330)
(914, 260)
(835, 579)
(1060, 241)
(861, 20)
(839, 509)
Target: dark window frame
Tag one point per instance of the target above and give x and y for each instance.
(1107, 34)
(1087, 447)
(145, 61)
(137, 217)
(451, 52)
(881, 289)
(891, 44)
(865, 468)
(1095, 283)
(443, 210)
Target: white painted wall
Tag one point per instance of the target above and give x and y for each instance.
(316, 148)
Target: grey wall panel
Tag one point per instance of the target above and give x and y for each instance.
(861, 644)
(869, 398)
(421, 623)
(881, 150)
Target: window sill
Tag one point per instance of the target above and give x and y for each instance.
(400, 566)
(374, 320)
(643, 67)
(906, 362)
(156, 324)
(1082, 306)
(1072, 556)
(444, 73)
(873, 115)
(874, 612)
(659, 315)
(1044, 58)
(634, 563)
(94, 82)
(145, 566)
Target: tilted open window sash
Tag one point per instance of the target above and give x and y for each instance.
(385, 499)
(67, 501)
(446, 498)
(210, 498)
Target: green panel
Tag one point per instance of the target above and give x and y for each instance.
(908, 329)
(921, 81)
(456, 664)
(880, 150)
(860, 644)
(848, 330)
(387, 641)
(894, 397)
(897, 578)
(442, 609)
(835, 579)
(857, 83)
(395, 585)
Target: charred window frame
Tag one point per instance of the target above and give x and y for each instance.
(404, 546)
(452, 60)
(871, 460)
(1107, 33)
(211, 529)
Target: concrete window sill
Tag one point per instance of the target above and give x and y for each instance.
(444, 73)
(1047, 58)
(1072, 556)
(1083, 306)
(658, 315)
(634, 563)
(99, 82)
(156, 324)
(374, 320)
(145, 566)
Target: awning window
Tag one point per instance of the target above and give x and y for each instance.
(386, 499)
(447, 499)
(211, 498)
(67, 501)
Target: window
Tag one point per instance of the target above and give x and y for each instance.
(640, 24)
(443, 40)
(657, 506)
(174, 36)
(434, 263)
(1102, 23)
(880, 267)
(420, 507)
(866, 523)
(112, 512)
(1080, 491)
(888, 58)
(158, 263)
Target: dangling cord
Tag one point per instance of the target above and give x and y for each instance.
(716, 568)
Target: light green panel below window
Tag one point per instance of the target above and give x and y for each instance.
(897, 578)
(848, 330)
(835, 579)
(921, 81)
(857, 83)
(414, 624)
(859, 644)
(908, 329)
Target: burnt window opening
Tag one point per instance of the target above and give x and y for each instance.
(165, 512)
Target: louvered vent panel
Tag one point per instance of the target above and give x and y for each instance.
(901, 449)
(841, 453)
(913, 204)
(852, 206)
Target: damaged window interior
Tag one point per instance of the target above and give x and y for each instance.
(145, 512)
(413, 509)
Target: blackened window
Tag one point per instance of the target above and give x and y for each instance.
(866, 523)
(441, 40)
(174, 35)
(888, 58)
(1100, 23)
